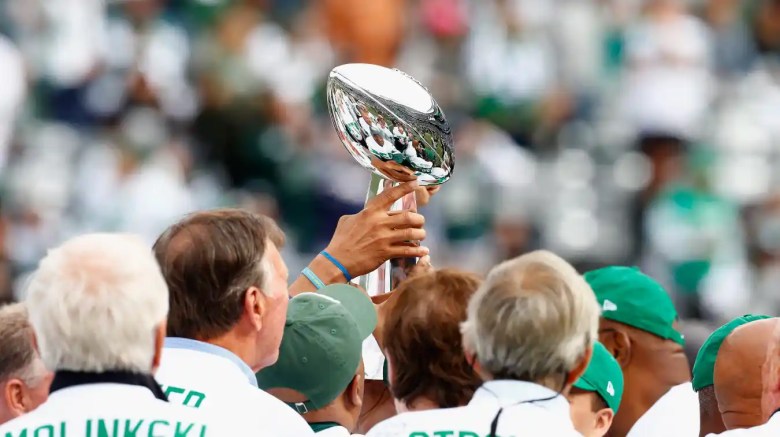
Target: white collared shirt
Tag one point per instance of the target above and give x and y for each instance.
(211, 378)
(520, 417)
(677, 410)
(769, 429)
(337, 431)
(113, 409)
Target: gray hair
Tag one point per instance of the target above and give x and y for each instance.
(95, 303)
(17, 347)
(533, 319)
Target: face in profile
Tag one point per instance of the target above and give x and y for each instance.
(276, 306)
(589, 414)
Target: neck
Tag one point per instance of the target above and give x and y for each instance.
(242, 348)
(422, 403)
(332, 413)
(644, 392)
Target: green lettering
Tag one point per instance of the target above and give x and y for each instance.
(102, 430)
(467, 434)
(23, 434)
(40, 429)
(156, 422)
(171, 389)
(443, 433)
(418, 434)
(62, 429)
(202, 431)
(194, 394)
(89, 427)
(132, 432)
(182, 432)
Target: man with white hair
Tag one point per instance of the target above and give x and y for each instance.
(24, 380)
(98, 305)
(530, 331)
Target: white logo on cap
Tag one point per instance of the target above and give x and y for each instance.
(608, 305)
(610, 388)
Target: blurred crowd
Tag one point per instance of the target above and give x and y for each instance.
(608, 131)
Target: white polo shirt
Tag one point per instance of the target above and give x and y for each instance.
(336, 431)
(677, 410)
(113, 409)
(769, 429)
(529, 410)
(208, 377)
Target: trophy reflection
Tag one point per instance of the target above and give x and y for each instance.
(393, 127)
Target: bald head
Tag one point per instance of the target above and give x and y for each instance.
(737, 375)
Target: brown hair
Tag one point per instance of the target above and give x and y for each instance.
(17, 342)
(209, 259)
(422, 339)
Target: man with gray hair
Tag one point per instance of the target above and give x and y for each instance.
(24, 380)
(529, 331)
(98, 305)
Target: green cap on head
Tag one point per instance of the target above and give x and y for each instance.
(704, 366)
(628, 296)
(322, 345)
(603, 376)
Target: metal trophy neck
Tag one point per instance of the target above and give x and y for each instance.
(388, 275)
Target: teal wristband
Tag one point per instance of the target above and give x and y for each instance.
(311, 276)
(337, 264)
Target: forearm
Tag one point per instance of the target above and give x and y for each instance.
(324, 269)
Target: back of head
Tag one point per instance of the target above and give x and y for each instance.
(422, 339)
(23, 377)
(209, 260)
(534, 319)
(703, 373)
(95, 303)
(737, 373)
(16, 343)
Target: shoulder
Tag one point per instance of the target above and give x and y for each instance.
(677, 409)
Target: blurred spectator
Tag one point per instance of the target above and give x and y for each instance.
(587, 114)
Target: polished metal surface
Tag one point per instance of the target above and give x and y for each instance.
(390, 123)
(392, 126)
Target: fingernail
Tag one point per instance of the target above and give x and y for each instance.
(427, 251)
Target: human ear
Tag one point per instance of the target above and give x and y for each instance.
(603, 421)
(255, 304)
(15, 397)
(619, 344)
(579, 369)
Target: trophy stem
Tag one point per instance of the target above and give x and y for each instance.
(392, 272)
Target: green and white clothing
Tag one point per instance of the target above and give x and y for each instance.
(528, 410)
(213, 379)
(93, 410)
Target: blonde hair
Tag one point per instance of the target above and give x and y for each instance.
(95, 303)
(534, 318)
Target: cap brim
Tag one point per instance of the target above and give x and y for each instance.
(582, 384)
(357, 303)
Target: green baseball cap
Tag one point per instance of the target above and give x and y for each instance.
(603, 376)
(704, 366)
(628, 296)
(322, 345)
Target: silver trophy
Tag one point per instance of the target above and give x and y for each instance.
(392, 126)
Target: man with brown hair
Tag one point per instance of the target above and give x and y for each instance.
(229, 297)
(24, 380)
(423, 344)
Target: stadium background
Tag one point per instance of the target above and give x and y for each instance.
(610, 131)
